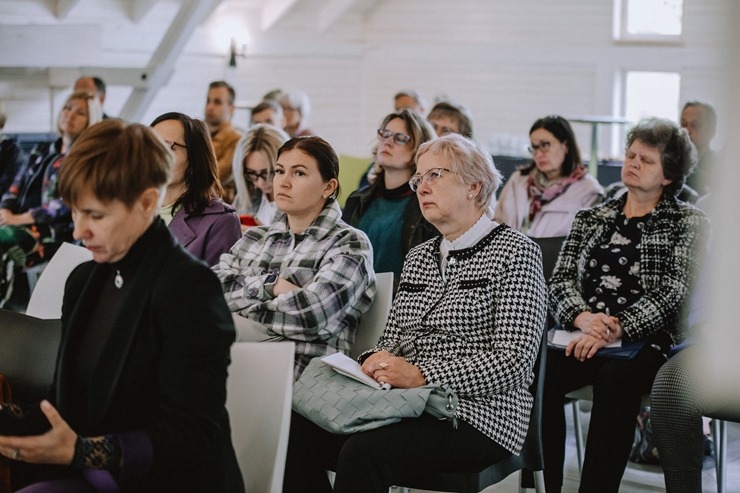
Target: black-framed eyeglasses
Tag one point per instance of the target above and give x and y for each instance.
(174, 144)
(543, 146)
(253, 176)
(398, 138)
(432, 176)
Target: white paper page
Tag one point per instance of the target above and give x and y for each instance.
(46, 299)
(561, 338)
(351, 368)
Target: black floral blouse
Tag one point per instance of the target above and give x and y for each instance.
(612, 277)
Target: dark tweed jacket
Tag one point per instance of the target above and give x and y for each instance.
(673, 242)
(479, 331)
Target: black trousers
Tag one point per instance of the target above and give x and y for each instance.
(375, 460)
(619, 385)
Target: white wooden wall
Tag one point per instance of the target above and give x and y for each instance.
(510, 61)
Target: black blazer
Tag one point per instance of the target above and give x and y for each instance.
(161, 372)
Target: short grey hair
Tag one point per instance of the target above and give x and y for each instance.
(470, 161)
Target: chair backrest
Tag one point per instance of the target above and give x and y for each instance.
(260, 389)
(373, 322)
(28, 354)
(46, 298)
(550, 251)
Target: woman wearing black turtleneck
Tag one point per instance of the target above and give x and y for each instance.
(138, 397)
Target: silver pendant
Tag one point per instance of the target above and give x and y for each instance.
(118, 281)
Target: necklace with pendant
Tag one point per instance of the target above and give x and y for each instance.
(118, 281)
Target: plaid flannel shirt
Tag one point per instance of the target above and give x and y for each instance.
(330, 261)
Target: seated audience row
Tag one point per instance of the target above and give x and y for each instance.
(304, 275)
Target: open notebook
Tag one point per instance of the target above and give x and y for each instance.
(347, 366)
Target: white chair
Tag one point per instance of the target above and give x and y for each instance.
(373, 322)
(259, 397)
(47, 294)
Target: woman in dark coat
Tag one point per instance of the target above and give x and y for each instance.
(138, 397)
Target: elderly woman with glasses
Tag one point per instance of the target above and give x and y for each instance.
(192, 207)
(254, 169)
(387, 210)
(541, 199)
(469, 313)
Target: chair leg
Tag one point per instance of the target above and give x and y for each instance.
(578, 429)
(539, 481)
(719, 432)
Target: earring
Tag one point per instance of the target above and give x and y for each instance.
(470, 196)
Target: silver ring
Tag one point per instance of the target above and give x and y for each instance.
(15, 454)
(383, 365)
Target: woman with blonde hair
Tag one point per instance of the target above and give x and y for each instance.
(32, 214)
(254, 169)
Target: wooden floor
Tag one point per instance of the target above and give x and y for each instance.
(638, 478)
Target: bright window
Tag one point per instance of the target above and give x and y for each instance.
(644, 94)
(648, 20)
(651, 94)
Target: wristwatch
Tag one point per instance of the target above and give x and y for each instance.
(270, 281)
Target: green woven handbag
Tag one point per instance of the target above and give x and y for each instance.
(342, 405)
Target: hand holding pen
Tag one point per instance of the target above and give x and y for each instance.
(600, 325)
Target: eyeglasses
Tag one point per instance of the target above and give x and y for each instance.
(174, 144)
(253, 176)
(431, 177)
(543, 146)
(398, 138)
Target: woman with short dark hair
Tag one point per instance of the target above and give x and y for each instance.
(623, 274)
(138, 398)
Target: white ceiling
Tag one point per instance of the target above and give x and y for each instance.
(137, 42)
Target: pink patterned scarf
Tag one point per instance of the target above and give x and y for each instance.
(540, 194)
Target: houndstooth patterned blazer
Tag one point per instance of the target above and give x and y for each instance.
(479, 332)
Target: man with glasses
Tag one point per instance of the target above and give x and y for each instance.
(218, 113)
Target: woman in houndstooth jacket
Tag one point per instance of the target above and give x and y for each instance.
(468, 313)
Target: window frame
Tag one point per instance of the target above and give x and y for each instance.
(622, 36)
